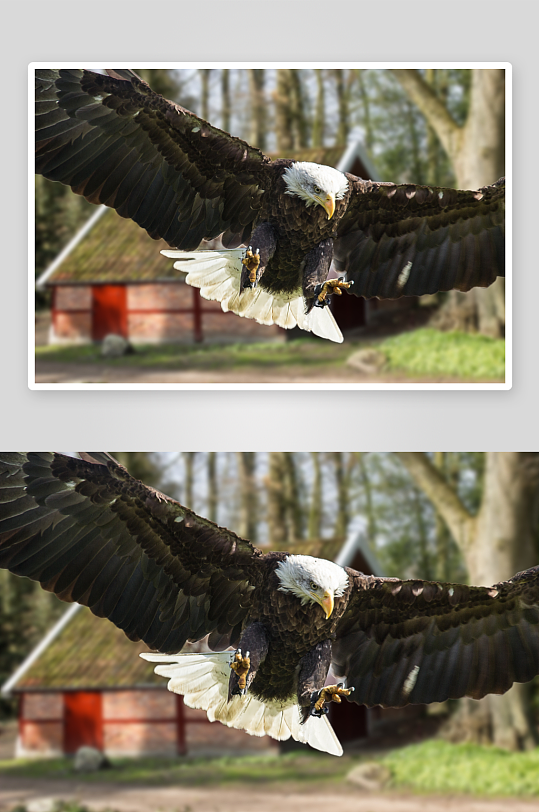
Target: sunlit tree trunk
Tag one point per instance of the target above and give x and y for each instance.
(496, 543)
(226, 106)
(189, 463)
(141, 465)
(476, 151)
(343, 471)
(343, 107)
(283, 112)
(258, 108)
(205, 93)
(365, 101)
(315, 510)
(276, 501)
(301, 129)
(294, 508)
(248, 525)
(320, 110)
(369, 504)
(213, 496)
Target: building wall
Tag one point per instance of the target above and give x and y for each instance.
(135, 723)
(156, 312)
(71, 316)
(41, 725)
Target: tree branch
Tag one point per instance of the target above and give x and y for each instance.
(436, 113)
(461, 523)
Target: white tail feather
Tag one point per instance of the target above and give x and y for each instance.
(218, 274)
(203, 681)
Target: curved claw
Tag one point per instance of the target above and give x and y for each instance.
(330, 693)
(241, 666)
(324, 290)
(251, 261)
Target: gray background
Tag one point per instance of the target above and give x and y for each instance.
(299, 31)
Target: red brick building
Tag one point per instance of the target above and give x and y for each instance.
(111, 278)
(85, 684)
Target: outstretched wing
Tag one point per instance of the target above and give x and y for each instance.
(89, 532)
(403, 642)
(115, 141)
(410, 240)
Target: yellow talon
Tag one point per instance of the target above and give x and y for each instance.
(241, 666)
(332, 286)
(331, 693)
(251, 262)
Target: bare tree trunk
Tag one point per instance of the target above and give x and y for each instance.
(315, 512)
(424, 562)
(342, 477)
(442, 531)
(283, 115)
(476, 151)
(248, 527)
(435, 78)
(320, 110)
(276, 503)
(205, 93)
(141, 465)
(372, 530)
(367, 123)
(294, 509)
(212, 486)
(496, 543)
(258, 107)
(301, 135)
(225, 97)
(342, 100)
(189, 461)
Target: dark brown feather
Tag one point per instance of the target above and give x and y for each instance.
(462, 640)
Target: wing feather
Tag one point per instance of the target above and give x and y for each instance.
(402, 642)
(410, 240)
(89, 532)
(116, 142)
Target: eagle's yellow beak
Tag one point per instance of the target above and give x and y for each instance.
(327, 603)
(329, 205)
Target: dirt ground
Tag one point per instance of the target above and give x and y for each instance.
(181, 799)
(51, 372)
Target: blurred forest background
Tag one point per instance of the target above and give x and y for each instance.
(432, 126)
(446, 516)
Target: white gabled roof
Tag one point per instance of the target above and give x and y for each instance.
(51, 635)
(73, 242)
(357, 540)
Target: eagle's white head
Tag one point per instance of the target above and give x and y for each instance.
(313, 580)
(315, 183)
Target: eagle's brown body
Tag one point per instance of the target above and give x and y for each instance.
(293, 629)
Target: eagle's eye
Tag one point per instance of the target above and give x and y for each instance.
(317, 190)
(312, 585)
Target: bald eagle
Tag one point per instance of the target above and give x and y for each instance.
(281, 222)
(89, 532)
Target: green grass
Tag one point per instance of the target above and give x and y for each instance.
(460, 355)
(301, 770)
(441, 767)
(430, 767)
(304, 352)
(421, 353)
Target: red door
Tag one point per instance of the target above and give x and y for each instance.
(83, 720)
(109, 309)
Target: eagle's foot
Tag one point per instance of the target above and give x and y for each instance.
(251, 262)
(331, 693)
(325, 289)
(241, 666)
